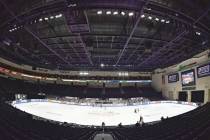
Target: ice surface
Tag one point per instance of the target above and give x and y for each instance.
(112, 116)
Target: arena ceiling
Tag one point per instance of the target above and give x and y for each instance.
(132, 35)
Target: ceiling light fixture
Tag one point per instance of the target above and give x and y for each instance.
(157, 19)
(99, 12)
(102, 65)
(198, 33)
(130, 14)
(142, 16)
(167, 21)
(123, 13)
(108, 12)
(58, 16)
(150, 18)
(162, 20)
(115, 13)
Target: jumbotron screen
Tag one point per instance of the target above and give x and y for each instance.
(188, 78)
(173, 78)
(203, 71)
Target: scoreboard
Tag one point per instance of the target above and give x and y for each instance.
(173, 78)
(188, 78)
(203, 71)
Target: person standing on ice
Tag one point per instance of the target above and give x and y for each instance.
(103, 125)
(141, 120)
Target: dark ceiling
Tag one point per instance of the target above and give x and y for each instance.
(132, 35)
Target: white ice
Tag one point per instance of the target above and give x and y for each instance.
(112, 116)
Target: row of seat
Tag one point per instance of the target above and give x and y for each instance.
(14, 86)
(194, 125)
(17, 125)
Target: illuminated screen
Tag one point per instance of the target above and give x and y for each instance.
(173, 78)
(203, 71)
(188, 78)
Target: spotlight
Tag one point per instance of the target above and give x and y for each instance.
(108, 12)
(150, 18)
(123, 13)
(51, 17)
(99, 12)
(130, 14)
(157, 19)
(115, 13)
(102, 65)
(198, 33)
(58, 16)
(167, 21)
(40, 19)
(142, 16)
(162, 20)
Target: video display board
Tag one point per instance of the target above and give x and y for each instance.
(203, 71)
(173, 78)
(188, 78)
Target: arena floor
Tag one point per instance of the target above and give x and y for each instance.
(112, 116)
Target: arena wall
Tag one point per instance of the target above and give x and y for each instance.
(71, 72)
(171, 90)
(27, 73)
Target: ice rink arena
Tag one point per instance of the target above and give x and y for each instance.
(104, 69)
(111, 115)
